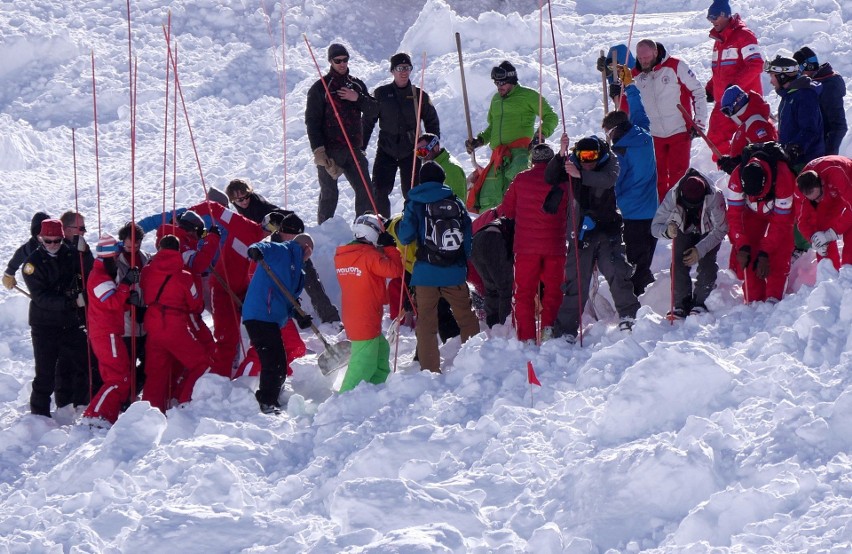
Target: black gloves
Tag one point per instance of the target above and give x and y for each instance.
(744, 256)
(131, 277)
(255, 254)
(303, 320)
(761, 265)
(135, 299)
(794, 152)
(215, 230)
(603, 64)
(728, 163)
(472, 144)
(552, 200)
(385, 239)
(710, 98)
(614, 91)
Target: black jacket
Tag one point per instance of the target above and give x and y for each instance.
(54, 282)
(593, 192)
(322, 126)
(397, 115)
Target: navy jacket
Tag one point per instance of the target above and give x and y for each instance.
(800, 120)
(264, 300)
(831, 104)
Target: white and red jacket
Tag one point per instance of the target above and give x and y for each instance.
(736, 59)
(668, 84)
(753, 124)
(773, 207)
(834, 211)
(107, 302)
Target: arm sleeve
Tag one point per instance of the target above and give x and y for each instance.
(387, 264)
(18, 259)
(368, 123)
(315, 115)
(719, 223)
(549, 119)
(408, 225)
(638, 116)
(699, 97)
(666, 212)
(430, 116)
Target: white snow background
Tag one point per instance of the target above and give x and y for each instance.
(727, 432)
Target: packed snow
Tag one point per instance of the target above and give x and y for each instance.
(726, 432)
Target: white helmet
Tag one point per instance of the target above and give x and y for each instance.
(367, 227)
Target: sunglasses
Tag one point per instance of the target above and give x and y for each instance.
(423, 151)
(81, 228)
(241, 198)
(402, 68)
(339, 61)
(713, 18)
(48, 241)
(588, 156)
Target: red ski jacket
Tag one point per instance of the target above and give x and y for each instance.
(107, 302)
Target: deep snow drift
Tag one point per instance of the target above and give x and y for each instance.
(728, 431)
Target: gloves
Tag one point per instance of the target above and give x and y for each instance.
(710, 98)
(822, 251)
(624, 75)
(9, 281)
(761, 265)
(603, 65)
(552, 200)
(131, 277)
(694, 134)
(794, 152)
(386, 239)
(303, 321)
(215, 230)
(614, 90)
(322, 160)
(728, 164)
(671, 230)
(690, 256)
(472, 144)
(744, 256)
(135, 299)
(255, 254)
(272, 222)
(822, 238)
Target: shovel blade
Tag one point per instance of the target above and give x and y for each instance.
(334, 356)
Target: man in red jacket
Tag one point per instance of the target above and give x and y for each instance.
(540, 212)
(108, 300)
(736, 61)
(825, 206)
(175, 359)
(750, 113)
(760, 224)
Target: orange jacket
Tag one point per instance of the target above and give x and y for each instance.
(362, 270)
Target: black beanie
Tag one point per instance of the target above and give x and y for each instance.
(431, 172)
(505, 72)
(292, 225)
(807, 59)
(752, 178)
(400, 59)
(35, 223)
(336, 50)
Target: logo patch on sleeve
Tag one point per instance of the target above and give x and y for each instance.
(28, 269)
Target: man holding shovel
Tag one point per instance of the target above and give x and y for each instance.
(268, 306)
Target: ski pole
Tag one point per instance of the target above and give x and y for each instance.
(556, 66)
(603, 84)
(464, 98)
(23, 291)
(700, 133)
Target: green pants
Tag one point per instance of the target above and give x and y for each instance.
(499, 178)
(369, 362)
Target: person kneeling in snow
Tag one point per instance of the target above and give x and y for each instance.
(692, 215)
(824, 207)
(363, 266)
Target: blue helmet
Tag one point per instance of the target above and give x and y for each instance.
(733, 100)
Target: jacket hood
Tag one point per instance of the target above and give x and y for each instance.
(824, 72)
(430, 192)
(167, 261)
(802, 82)
(35, 224)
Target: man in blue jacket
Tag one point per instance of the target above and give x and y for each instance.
(266, 309)
(438, 222)
(800, 125)
(831, 99)
(636, 186)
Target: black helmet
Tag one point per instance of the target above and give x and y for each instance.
(191, 221)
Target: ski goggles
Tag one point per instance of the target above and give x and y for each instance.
(402, 68)
(588, 156)
(770, 67)
(423, 151)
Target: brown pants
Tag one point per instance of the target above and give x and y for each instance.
(458, 297)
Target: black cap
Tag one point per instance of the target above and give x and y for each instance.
(400, 59)
(431, 172)
(336, 50)
(807, 59)
(35, 224)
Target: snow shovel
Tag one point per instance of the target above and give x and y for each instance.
(335, 355)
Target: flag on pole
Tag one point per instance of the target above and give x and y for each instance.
(531, 377)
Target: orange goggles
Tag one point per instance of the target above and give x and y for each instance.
(588, 156)
(423, 151)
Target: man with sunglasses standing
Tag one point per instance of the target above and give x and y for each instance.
(736, 61)
(54, 277)
(349, 98)
(510, 132)
(398, 103)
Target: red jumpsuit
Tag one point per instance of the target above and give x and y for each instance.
(753, 125)
(106, 307)
(171, 295)
(539, 246)
(736, 61)
(765, 224)
(834, 210)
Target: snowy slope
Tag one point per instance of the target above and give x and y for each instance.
(726, 432)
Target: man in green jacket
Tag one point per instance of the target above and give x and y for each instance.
(429, 149)
(510, 133)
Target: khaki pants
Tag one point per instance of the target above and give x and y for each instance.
(458, 297)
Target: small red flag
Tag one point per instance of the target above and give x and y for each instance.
(533, 380)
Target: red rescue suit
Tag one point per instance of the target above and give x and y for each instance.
(834, 209)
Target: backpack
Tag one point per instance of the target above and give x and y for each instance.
(444, 229)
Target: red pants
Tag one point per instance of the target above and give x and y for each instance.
(672, 155)
(114, 366)
(226, 326)
(174, 361)
(721, 131)
(294, 347)
(530, 270)
(759, 290)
